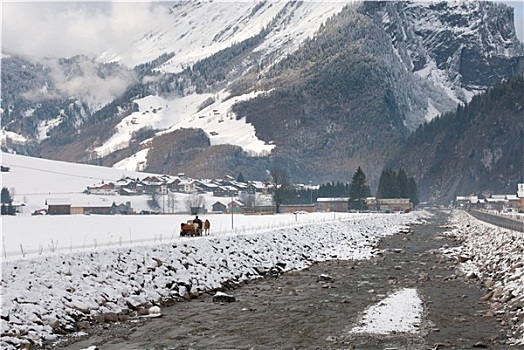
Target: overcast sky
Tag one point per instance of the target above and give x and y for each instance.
(65, 29)
(68, 28)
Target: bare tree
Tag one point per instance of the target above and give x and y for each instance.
(249, 199)
(171, 201)
(195, 201)
(154, 201)
(279, 180)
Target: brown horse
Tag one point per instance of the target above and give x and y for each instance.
(207, 227)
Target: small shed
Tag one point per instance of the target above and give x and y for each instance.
(340, 204)
(236, 207)
(58, 206)
(219, 207)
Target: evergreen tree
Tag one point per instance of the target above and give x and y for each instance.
(413, 191)
(397, 185)
(388, 185)
(7, 202)
(6, 196)
(240, 178)
(358, 191)
(402, 184)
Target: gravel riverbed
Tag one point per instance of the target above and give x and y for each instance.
(297, 311)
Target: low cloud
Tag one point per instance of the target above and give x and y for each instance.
(81, 79)
(66, 29)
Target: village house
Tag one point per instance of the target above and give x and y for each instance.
(123, 209)
(256, 187)
(495, 203)
(512, 202)
(226, 191)
(129, 187)
(228, 179)
(172, 184)
(240, 186)
(152, 184)
(18, 207)
(103, 189)
(187, 186)
(339, 204)
(236, 207)
(124, 182)
(389, 205)
(206, 186)
(466, 201)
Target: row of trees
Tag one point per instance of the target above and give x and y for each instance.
(392, 184)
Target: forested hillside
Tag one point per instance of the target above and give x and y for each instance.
(331, 107)
(478, 149)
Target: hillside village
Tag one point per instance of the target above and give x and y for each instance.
(231, 196)
(249, 197)
(162, 188)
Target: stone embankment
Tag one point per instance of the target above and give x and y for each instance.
(49, 296)
(494, 256)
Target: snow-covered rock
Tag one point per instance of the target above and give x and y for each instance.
(497, 258)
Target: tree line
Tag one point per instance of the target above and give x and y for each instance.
(392, 184)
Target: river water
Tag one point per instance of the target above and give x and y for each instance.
(294, 311)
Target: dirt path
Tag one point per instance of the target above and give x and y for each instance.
(294, 311)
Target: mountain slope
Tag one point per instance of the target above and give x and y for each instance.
(320, 88)
(479, 149)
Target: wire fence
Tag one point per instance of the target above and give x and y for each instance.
(112, 240)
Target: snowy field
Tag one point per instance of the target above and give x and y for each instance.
(32, 236)
(33, 181)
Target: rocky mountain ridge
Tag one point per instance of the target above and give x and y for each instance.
(357, 79)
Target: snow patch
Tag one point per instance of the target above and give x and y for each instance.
(399, 312)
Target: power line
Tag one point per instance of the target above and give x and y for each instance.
(61, 173)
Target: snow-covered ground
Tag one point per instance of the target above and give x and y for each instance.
(33, 181)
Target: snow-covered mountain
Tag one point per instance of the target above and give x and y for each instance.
(309, 85)
(195, 30)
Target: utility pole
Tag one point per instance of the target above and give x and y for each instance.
(231, 193)
(310, 193)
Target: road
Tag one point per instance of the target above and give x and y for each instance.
(498, 220)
